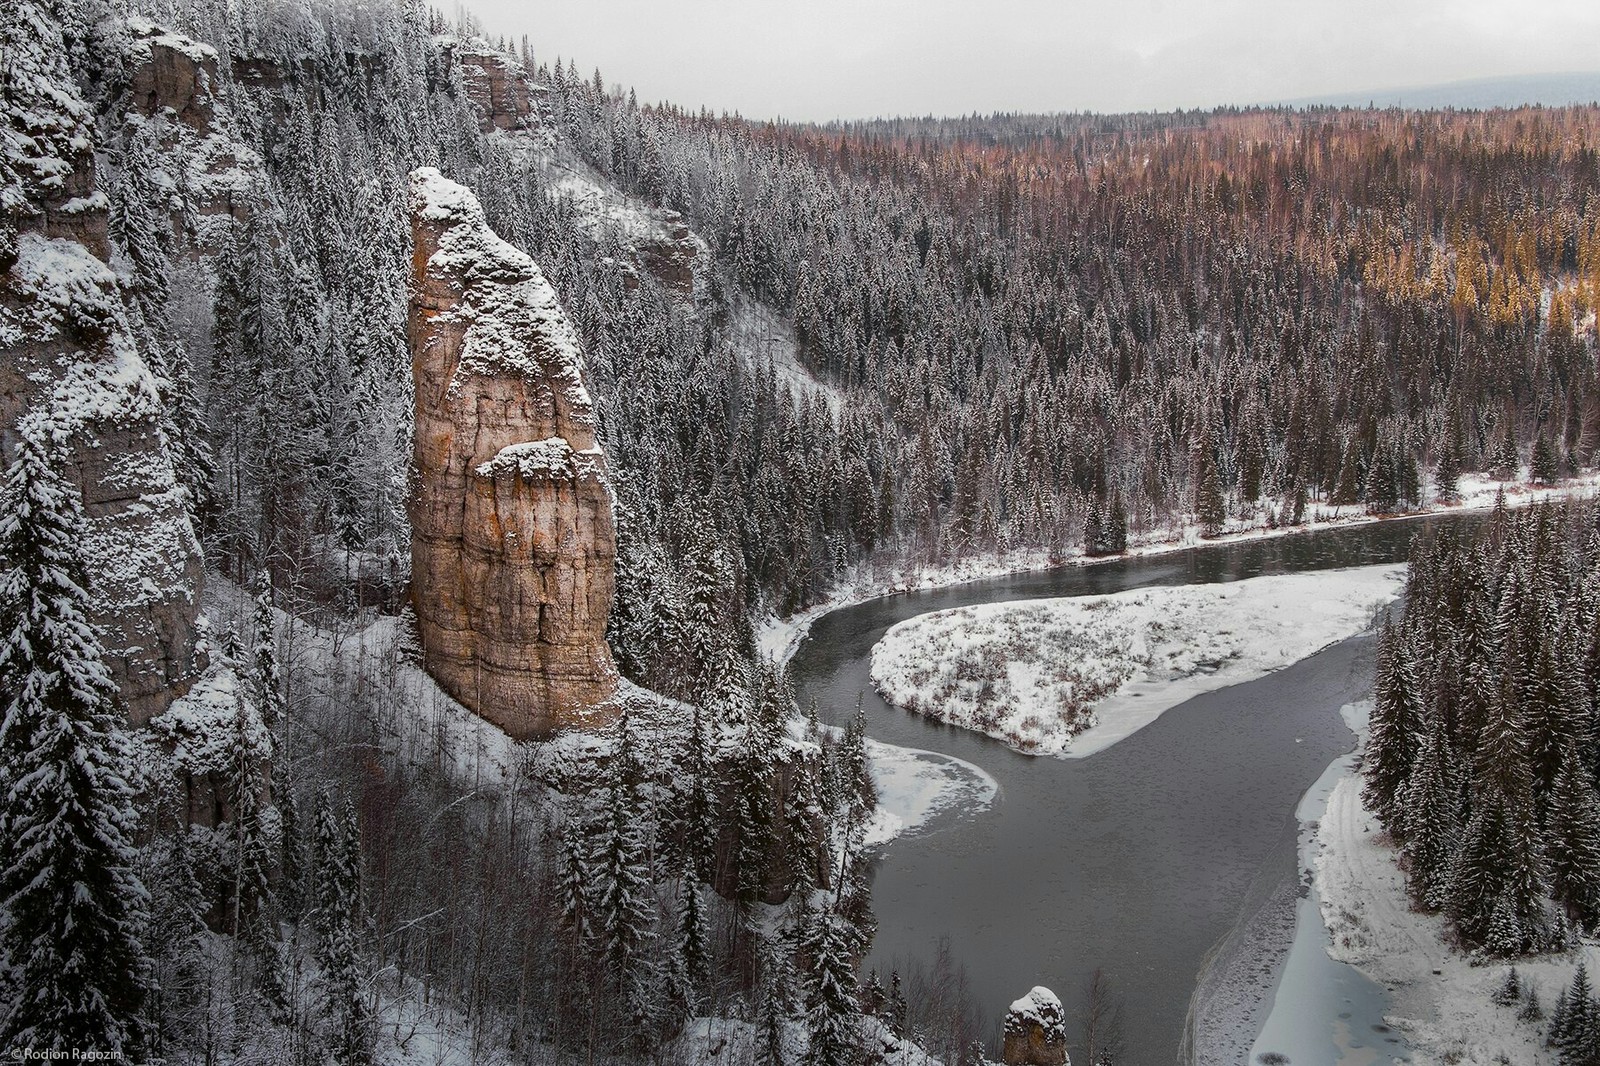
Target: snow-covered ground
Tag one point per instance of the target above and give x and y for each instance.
(779, 638)
(1070, 677)
(1439, 1000)
(762, 335)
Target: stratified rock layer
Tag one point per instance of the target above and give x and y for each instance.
(71, 373)
(513, 534)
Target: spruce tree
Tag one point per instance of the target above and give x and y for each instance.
(77, 972)
(336, 866)
(177, 935)
(1573, 841)
(1395, 727)
(1576, 1034)
(774, 1004)
(623, 908)
(1545, 468)
(694, 950)
(1430, 809)
(832, 1014)
(254, 921)
(1499, 887)
(573, 887)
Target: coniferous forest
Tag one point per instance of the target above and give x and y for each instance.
(909, 342)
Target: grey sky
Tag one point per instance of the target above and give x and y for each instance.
(827, 59)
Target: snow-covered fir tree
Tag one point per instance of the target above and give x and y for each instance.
(76, 971)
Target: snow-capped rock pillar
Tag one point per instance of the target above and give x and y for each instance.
(1035, 1031)
(513, 534)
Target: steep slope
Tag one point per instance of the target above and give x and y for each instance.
(72, 372)
(513, 533)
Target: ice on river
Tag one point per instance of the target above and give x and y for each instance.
(1070, 677)
(915, 786)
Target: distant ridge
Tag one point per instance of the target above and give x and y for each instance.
(1475, 93)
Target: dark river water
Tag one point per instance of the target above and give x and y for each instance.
(1137, 860)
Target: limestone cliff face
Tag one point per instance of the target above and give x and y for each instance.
(513, 535)
(71, 372)
(175, 96)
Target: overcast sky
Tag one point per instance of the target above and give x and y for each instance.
(827, 59)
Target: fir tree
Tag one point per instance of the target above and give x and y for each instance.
(77, 970)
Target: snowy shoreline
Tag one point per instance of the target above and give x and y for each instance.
(1070, 677)
(1439, 999)
(778, 638)
(915, 787)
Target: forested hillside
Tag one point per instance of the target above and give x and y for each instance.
(811, 350)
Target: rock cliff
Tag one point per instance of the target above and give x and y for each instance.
(513, 534)
(175, 102)
(71, 371)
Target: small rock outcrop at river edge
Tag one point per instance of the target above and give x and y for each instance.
(513, 534)
(1035, 1031)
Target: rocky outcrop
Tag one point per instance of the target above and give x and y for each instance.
(506, 98)
(71, 372)
(513, 534)
(671, 253)
(172, 73)
(654, 240)
(175, 93)
(1035, 1031)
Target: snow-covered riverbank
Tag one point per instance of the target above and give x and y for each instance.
(778, 638)
(1070, 677)
(1439, 1000)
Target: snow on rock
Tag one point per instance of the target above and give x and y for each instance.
(1069, 677)
(655, 238)
(46, 135)
(176, 104)
(496, 82)
(552, 458)
(511, 318)
(1035, 1030)
(73, 374)
(199, 735)
(203, 725)
(513, 546)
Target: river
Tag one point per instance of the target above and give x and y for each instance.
(1142, 860)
